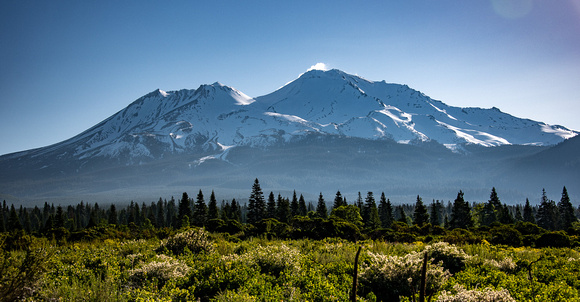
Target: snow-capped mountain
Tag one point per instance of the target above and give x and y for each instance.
(192, 127)
(217, 117)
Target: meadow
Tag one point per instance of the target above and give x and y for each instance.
(192, 264)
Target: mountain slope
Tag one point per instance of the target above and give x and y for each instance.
(323, 122)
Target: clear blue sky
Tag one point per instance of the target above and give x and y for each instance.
(67, 65)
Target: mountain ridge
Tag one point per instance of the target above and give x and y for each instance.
(190, 130)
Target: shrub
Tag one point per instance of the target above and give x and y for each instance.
(506, 234)
(163, 269)
(390, 277)
(461, 236)
(20, 272)
(452, 258)
(195, 240)
(486, 295)
(274, 259)
(553, 239)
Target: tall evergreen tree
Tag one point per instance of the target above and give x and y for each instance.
(547, 216)
(113, 215)
(435, 217)
(566, 210)
(236, 211)
(14, 223)
(294, 207)
(494, 199)
(420, 215)
(338, 200)
(302, 210)
(402, 215)
(385, 211)
(283, 208)
(200, 210)
(27, 225)
(504, 215)
(461, 213)
(488, 214)
(213, 211)
(271, 206)
(359, 203)
(171, 218)
(529, 213)
(321, 210)
(518, 216)
(2, 223)
(160, 213)
(59, 218)
(184, 207)
(256, 204)
(372, 220)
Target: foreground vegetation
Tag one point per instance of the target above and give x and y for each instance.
(282, 249)
(192, 264)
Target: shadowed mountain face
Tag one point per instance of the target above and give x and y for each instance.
(325, 131)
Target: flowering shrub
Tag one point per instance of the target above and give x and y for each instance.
(453, 258)
(390, 277)
(163, 269)
(506, 264)
(274, 259)
(486, 295)
(195, 240)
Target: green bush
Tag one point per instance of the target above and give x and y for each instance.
(194, 240)
(507, 235)
(553, 239)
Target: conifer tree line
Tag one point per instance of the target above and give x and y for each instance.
(366, 213)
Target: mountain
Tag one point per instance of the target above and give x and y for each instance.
(314, 133)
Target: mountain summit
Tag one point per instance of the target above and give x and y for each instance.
(204, 125)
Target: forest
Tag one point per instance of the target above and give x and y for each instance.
(286, 249)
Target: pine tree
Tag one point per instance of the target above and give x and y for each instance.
(2, 223)
(460, 213)
(200, 210)
(547, 216)
(256, 204)
(161, 213)
(283, 208)
(14, 223)
(435, 217)
(566, 211)
(420, 215)
(504, 215)
(59, 219)
(184, 207)
(488, 214)
(373, 221)
(402, 215)
(294, 207)
(494, 199)
(27, 223)
(518, 216)
(113, 215)
(321, 210)
(271, 206)
(236, 211)
(385, 211)
(302, 210)
(171, 218)
(529, 213)
(213, 211)
(338, 200)
(359, 203)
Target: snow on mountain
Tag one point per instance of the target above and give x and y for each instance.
(361, 108)
(213, 118)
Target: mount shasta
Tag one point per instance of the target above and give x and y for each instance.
(325, 131)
